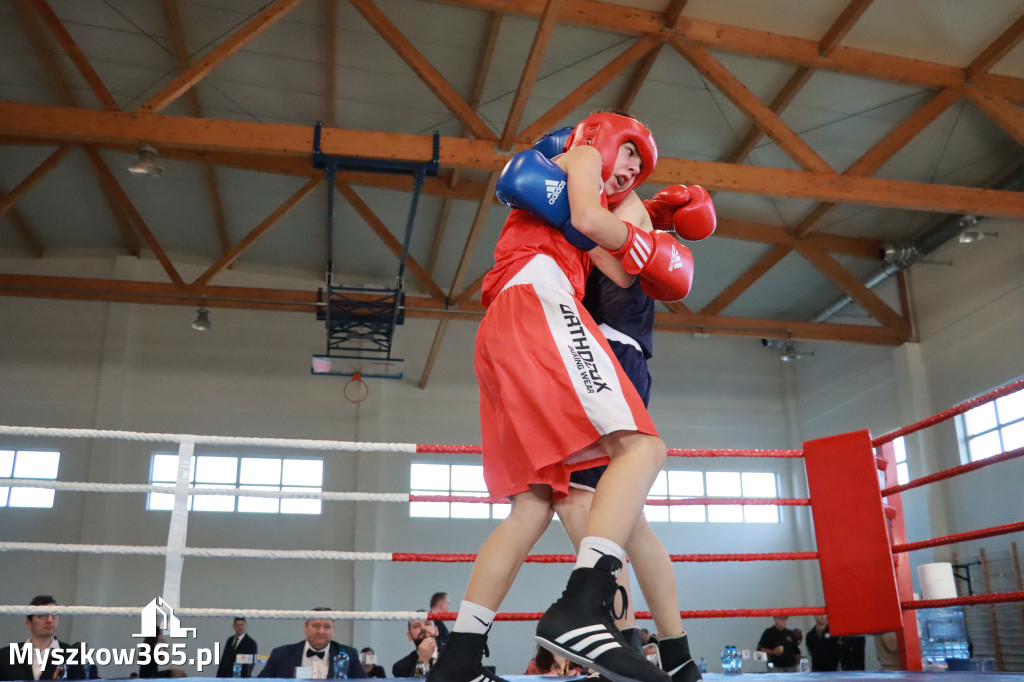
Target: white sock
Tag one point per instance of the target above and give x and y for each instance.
(473, 618)
(593, 548)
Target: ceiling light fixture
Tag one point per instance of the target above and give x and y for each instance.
(202, 322)
(790, 354)
(146, 165)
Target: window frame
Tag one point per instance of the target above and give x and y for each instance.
(49, 495)
(1001, 424)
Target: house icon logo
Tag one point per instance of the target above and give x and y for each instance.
(159, 613)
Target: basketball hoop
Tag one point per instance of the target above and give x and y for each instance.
(356, 389)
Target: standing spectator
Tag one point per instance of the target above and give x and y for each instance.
(780, 644)
(239, 643)
(851, 656)
(824, 648)
(887, 648)
(439, 604)
(369, 660)
(41, 627)
(314, 652)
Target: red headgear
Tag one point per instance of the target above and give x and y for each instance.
(606, 132)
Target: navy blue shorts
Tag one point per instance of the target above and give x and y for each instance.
(634, 364)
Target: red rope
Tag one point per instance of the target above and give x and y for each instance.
(955, 471)
(571, 558)
(950, 413)
(673, 452)
(680, 452)
(997, 598)
(959, 537)
(689, 501)
(707, 613)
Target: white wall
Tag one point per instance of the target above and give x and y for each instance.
(141, 368)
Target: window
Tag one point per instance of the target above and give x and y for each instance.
(244, 473)
(900, 450)
(993, 428)
(29, 464)
(451, 479)
(683, 484)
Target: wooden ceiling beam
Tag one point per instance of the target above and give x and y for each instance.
(773, 234)
(588, 89)
(33, 178)
(628, 20)
(27, 235)
(855, 289)
(639, 77)
(238, 249)
(479, 220)
(393, 245)
(853, 11)
(747, 102)
(218, 55)
(115, 201)
(421, 307)
(726, 297)
(104, 128)
(432, 78)
(541, 38)
(57, 29)
(1005, 113)
(113, 189)
(172, 17)
(998, 49)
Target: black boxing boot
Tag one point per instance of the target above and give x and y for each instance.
(676, 659)
(580, 626)
(462, 660)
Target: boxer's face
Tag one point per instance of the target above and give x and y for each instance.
(627, 167)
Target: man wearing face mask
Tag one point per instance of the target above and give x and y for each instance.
(369, 660)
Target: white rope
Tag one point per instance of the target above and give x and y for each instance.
(206, 552)
(300, 443)
(84, 487)
(22, 610)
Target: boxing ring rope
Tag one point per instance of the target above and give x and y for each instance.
(175, 550)
(885, 456)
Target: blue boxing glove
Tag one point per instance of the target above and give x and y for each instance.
(552, 144)
(533, 183)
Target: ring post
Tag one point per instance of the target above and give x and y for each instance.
(850, 528)
(907, 636)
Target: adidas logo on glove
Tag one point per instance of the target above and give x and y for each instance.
(675, 261)
(554, 189)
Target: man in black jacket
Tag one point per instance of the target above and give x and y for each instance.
(240, 643)
(316, 652)
(42, 656)
(423, 634)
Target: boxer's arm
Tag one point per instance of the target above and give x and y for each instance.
(582, 165)
(631, 210)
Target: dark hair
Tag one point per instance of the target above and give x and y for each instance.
(437, 597)
(365, 649)
(238, 618)
(41, 600)
(544, 659)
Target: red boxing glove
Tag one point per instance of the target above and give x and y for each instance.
(687, 210)
(664, 265)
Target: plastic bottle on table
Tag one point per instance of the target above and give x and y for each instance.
(339, 665)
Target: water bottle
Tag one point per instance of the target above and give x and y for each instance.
(737, 658)
(702, 665)
(61, 673)
(339, 664)
(943, 635)
(726, 660)
(805, 665)
(236, 670)
(421, 669)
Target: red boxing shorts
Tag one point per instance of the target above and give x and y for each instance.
(549, 385)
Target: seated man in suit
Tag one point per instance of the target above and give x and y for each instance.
(239, 643)
(16, 665)
(315, 652)
(423, 635)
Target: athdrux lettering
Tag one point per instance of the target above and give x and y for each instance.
(581, 352)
